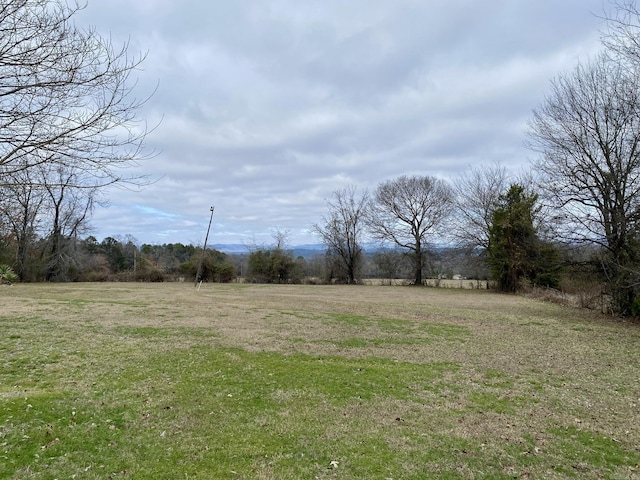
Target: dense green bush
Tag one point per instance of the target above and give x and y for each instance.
(7, 275)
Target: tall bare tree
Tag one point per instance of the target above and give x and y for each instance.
(588, 134)
(65, 94)
(68, 121)
(477, 193)
(408, 211)
(342, 232)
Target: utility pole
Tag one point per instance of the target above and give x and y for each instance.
(204, 248)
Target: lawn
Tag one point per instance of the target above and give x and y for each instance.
(238, 381)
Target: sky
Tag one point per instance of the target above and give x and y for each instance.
(264, 108)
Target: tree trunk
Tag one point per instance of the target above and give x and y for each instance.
(418, 264)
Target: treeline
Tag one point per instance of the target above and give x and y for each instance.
(112, 259)
(125, 259)
(577, 210)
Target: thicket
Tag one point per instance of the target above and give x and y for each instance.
(121, 259)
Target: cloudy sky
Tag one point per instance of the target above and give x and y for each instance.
(266, 107)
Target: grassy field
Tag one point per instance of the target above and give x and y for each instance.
(159, 381)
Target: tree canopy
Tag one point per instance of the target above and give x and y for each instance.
(409, 210)
(68, 125)
(343, 232)
(588, 132)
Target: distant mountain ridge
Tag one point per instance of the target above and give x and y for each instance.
(305, 250)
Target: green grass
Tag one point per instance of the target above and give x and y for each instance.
(288, 382)
(216, 411)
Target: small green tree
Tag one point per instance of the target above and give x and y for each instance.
(112, 250)
(548, 266)
(515, 251)
(271, 266)
(215, 266)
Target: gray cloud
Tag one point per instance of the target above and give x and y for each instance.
(269, 106)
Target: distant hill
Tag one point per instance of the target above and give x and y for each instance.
(309, 250)
(306, 251)
(230, 248)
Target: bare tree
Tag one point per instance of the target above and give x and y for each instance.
(281, 238)
(622, 37)
(588, 132)
(69, 208)
(21, 213)
(68, 122)
(342, 232)
(45, 210)
(477, 192)
(407, 211)
(65, 94)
